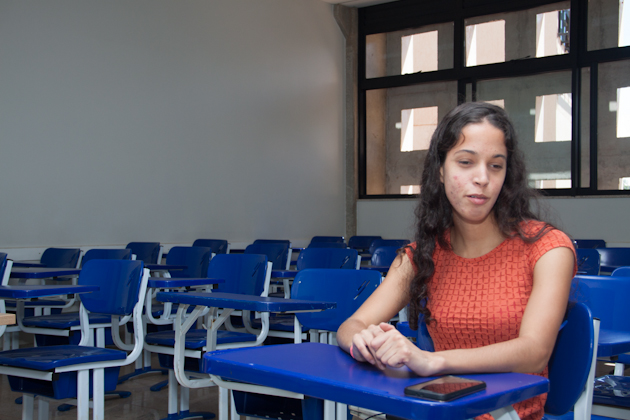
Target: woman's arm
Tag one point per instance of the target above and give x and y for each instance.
(383, 304)
(529, 352)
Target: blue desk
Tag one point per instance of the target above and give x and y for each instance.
(27, 264)
(37, 291)
(285, 277)
(228, 302)
(25, 273)
(327, 372)
(175, 282)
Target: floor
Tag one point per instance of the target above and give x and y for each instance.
(143, 404)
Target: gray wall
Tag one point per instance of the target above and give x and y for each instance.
(162, 120)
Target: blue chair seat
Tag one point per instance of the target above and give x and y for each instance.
(49, 358)
(277, 323)
(64, 320)
(196, 339)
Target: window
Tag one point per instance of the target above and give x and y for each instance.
(417, 128)
(567, 97)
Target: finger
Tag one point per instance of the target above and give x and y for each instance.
(386, 327)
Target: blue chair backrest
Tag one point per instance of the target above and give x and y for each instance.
(387, 242)
(588, 261)
(621, 272)
(3, 264)
(571, 360)
(361, 242)
(145, 251)
(589, 243)
(327, 258)
(327, 239)
(385, 255)
(614, 257)
(272, 241)
(338, 245)
(276, 252)
(60, 257)
(119, 282)
(348, 288)
(606, 297)
(106, 254)
(196, 258)
(243, 273)
(218, 246)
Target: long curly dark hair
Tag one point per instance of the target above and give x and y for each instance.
(434, 214)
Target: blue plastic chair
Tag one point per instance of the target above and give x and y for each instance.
(387, 242)
(196, 258)
(338, 245)
(61, 257)
(218, 246)
(5, 270)
(149, 252)
(349, 289)
(60, 372)
(339, 239)
(384, 255)
(243, 274)
(611, 258)
(607, 298)
(589, 243)
(588, 261)
(328, 258)
(361, 242)
(571, 366)
(279, 253)
(621, 272)
(106, 254)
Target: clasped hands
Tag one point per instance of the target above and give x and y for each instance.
(383, 346)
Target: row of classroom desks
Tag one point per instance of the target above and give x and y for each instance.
(320, 371)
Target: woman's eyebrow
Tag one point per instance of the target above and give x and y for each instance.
(472, 152)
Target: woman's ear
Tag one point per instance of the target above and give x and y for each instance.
(442, 174)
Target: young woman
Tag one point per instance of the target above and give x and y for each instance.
(490, 278)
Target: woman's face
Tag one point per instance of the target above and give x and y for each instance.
(473, 172)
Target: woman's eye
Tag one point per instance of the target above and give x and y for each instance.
(497, 166)
(464, 162)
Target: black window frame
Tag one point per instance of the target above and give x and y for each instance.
(406, 14)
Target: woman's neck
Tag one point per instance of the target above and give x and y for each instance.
(475, 240)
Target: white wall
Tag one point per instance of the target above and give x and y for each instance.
(581, 218)
(161, 120)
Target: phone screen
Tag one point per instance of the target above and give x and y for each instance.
(445, 388)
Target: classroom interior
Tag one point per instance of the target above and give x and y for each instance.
(156, 120)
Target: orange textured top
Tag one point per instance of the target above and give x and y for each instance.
(480, 301)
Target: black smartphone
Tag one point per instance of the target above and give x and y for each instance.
(446, 388)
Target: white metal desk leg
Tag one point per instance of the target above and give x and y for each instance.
(505, 413)
(224, 405)
(172, 392)
(28, 402)
(83, 395)
(342, 411)
(42, 408)
(98, 394)
(329, 410)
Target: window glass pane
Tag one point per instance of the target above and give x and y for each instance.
(608, 24)
(390, 168)
(424, 49)
(543, 126)
(585, 129)
(613, 139)
(541, 32)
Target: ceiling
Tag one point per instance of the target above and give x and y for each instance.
(357, 3)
